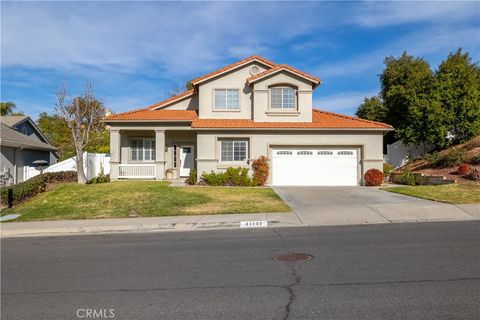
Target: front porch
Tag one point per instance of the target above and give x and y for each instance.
(151, 154)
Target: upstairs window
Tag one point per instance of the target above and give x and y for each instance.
(282, 98)
(226, 99)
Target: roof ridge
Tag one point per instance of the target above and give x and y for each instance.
(351, 117)
(232, 65)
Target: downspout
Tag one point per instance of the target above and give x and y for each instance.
(15, 165)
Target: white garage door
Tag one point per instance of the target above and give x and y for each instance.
(314, 167)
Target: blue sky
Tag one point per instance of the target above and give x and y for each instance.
(136, 52)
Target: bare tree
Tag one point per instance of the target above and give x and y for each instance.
(82, 114)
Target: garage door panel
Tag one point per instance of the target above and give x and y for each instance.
(314, 167)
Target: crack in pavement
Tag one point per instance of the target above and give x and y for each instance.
(340, 284)
(294, 274)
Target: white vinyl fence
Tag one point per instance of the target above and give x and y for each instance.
(93, 165)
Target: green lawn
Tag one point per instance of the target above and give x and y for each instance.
(146, 199)
(451, 193)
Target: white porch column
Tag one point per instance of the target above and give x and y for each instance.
(159, 154)
(115, 150)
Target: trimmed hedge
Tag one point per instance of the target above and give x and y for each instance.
(23, 191)
(237, 177)
(408, 178)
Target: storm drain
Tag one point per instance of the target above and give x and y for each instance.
(291, 257)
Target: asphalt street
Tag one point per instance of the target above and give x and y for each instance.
(388, 271)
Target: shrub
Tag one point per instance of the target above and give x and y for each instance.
(475, 160)
(214, 178)
(412, 179)
(451, 159)
(387, 168)
(432, 158)
(102, 178)
(260, 171)
(23, 191)
(474, 175)
(373, 177)
(231, 177)
(463, 169)
(192, 177)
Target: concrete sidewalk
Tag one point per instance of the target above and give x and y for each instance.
(312, 206)
(172, 223)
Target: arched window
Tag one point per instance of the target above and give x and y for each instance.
(283, 98)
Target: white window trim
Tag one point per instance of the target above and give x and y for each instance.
(143, 150)
(282, 109)
(214, 107)
(233, 150)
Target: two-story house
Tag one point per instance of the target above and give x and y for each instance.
(251, 108)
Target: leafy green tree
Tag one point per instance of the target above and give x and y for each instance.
(372, 109)
(408, 94)
(457, 86)
(6, 109)
(59, 134)
(57, 131)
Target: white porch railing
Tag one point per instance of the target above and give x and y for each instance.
(136, 171)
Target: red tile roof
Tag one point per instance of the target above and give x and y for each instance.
(232, 66)
(179, 96)
(281, 67)
(154, 115)
(321, 120)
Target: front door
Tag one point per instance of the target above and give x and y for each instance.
(186, 160)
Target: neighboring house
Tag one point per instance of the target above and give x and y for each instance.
(251, 108)
(398, 153)
(22, 143)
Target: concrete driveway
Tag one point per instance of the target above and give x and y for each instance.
(357, 205)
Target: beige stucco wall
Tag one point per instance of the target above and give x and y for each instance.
(261, 101)
(231, 80)
(368, 145)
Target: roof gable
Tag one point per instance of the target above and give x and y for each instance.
(12, 121)
(15, 121)
(13, 138)
(283, 67)
(233, 66)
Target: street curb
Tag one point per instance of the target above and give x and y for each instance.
(134, 229)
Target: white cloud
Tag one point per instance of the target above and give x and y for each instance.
(430, 41)
(177, 38)
(377, 14)
(346, 102)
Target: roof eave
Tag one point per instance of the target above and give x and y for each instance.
(298, 129)
(315, 82)
(19, 145)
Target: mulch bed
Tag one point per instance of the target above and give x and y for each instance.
(449, 173)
